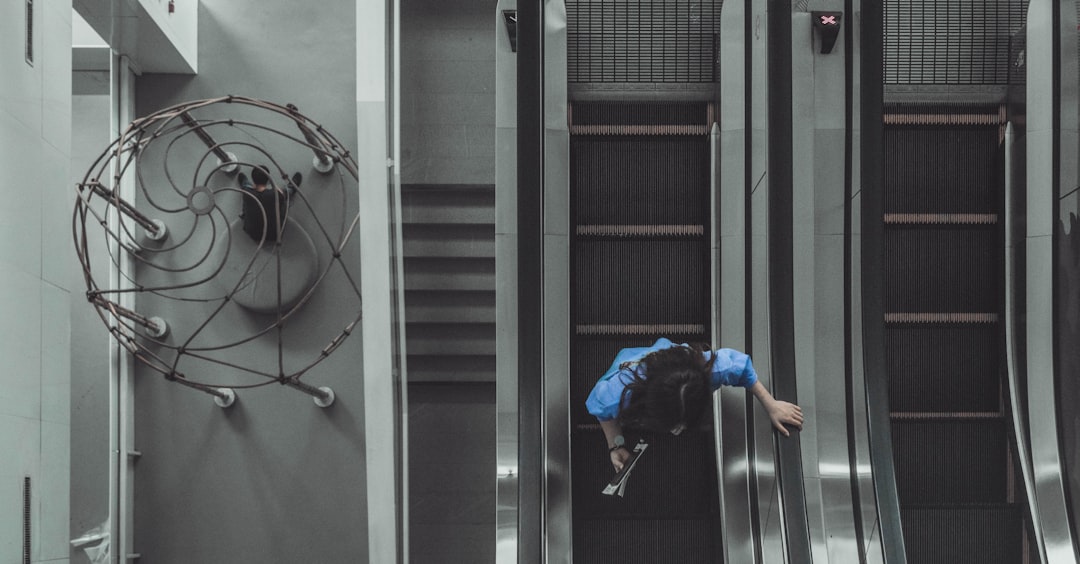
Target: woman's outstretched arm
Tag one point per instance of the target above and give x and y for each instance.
(780, 412)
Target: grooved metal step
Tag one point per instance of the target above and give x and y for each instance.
(648, 541)
(951, 460)
(987, 534)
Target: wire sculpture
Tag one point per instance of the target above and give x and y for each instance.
(175, 243)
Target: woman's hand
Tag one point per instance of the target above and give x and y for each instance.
(619, 457)
(781, 413)
(613, 434)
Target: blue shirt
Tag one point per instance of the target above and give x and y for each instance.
(731, 368)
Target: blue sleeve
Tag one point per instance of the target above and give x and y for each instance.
(603, 401)
(732, 368)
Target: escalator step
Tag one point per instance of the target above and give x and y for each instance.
(986, 534)
(616, 290)
(943, 367)
(942, 269)
(675, 478)
(950, 461)
(592, 355)
(935, 169)
(629, 180)
(648, 541)
(640, 113)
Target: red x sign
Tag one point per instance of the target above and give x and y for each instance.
(827, 25)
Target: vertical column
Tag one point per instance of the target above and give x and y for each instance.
(383, 347)
(122, 384)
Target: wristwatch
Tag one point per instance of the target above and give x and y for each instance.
(619, 441)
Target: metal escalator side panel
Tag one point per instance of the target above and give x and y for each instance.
(871, 283)
(506, 386)
(1014, 355)
(1046, 106)
(558, 535)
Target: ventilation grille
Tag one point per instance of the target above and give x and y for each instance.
(29, 32)
(958, 42)
(651, 41)
(27, 498)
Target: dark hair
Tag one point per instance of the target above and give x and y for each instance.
(670, 387)
(260, 175)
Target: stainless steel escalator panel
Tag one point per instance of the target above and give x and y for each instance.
(1039, 253)
(506, 388)
(1017, 408)
(557, 498)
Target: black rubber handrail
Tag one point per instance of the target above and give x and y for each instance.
(781, 273)
(530, 167)
(872, 180)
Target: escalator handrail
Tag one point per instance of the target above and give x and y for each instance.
(872, 180)
(794, 525)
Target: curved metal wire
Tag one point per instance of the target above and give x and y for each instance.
(99, 205)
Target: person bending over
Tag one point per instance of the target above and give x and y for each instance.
(265, 206)
(667, 388)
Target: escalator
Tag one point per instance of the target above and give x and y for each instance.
(639, 189)
(959, 484)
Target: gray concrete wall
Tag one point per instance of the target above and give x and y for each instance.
(35, 146)
(274, 478)
(447, 92)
